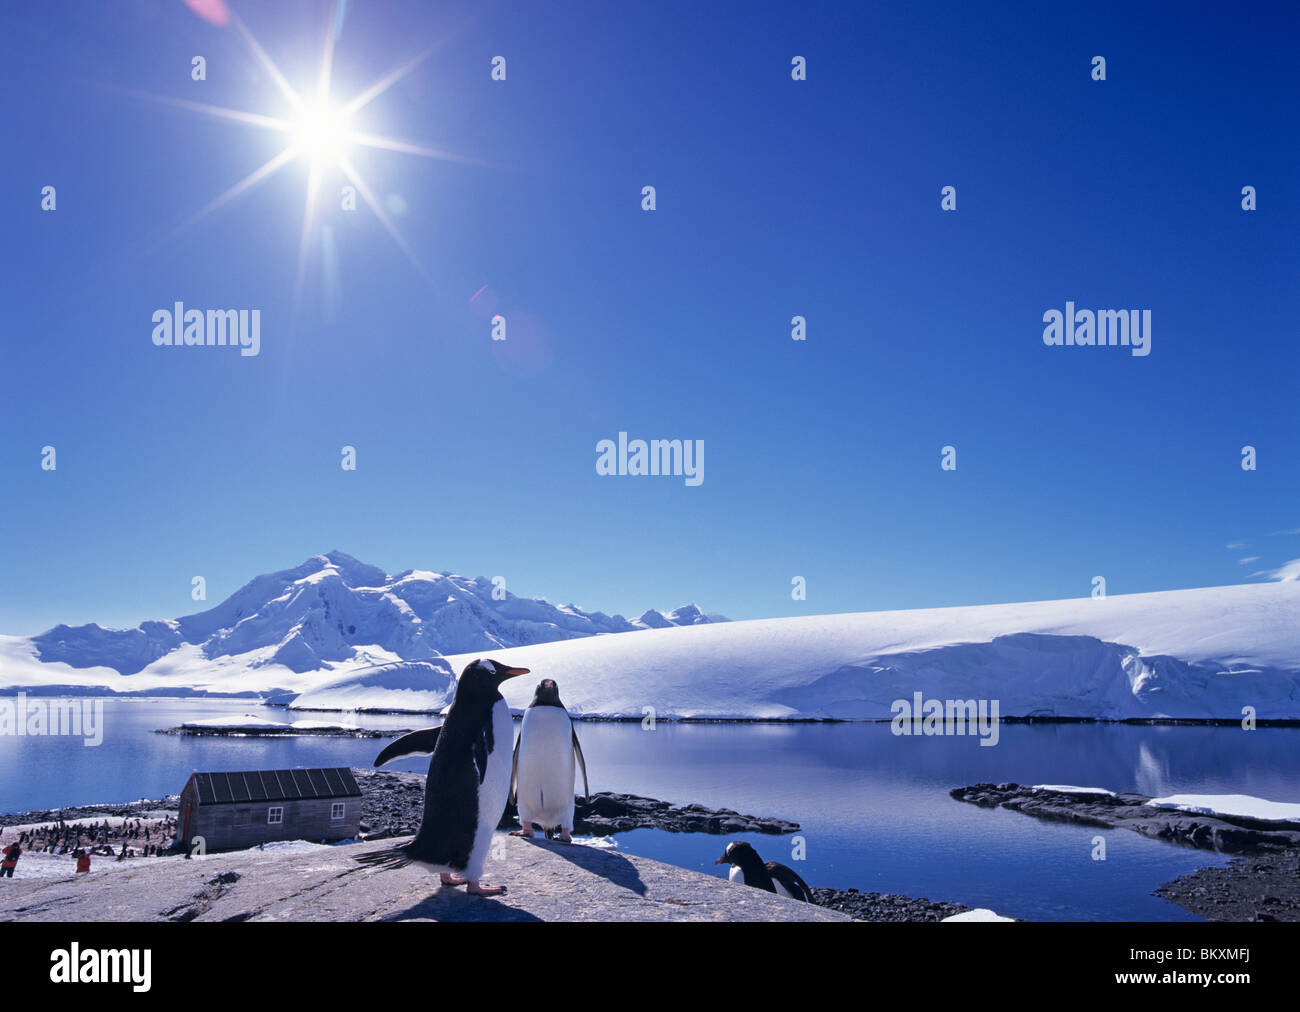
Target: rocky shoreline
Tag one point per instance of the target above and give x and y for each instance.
(1256, 888)
(278, 732)
(892, 908)
(393, 804)
(1262, 883)
(142, 809)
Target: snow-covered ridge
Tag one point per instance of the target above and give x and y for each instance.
(1192, 654)
(327, 610)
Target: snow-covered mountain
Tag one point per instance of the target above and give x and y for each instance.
(686, 615)
(333, 609)
(1196, 654)
(374, 641)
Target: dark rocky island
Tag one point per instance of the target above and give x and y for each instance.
(277, 731)
(1226, 834)
(393, 804)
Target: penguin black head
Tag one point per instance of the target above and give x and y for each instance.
(547, 694)
(740, 853)
(484, 677)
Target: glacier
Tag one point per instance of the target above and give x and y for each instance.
(1183, 654)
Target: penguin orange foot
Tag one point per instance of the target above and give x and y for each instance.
(475, 888)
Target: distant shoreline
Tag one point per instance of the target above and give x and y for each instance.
(260, 699)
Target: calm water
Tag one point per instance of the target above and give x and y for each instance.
(874, 807)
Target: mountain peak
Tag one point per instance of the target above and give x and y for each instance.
(333, 608)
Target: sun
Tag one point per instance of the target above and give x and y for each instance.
(318, 132)
(321, 134)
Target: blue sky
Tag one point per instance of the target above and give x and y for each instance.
(774, 198)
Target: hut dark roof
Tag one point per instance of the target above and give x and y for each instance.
(275, 785)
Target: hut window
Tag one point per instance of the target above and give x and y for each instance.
(274, 816)
(336, 811)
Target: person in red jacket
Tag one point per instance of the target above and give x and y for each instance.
(83, 861)
(11, 855)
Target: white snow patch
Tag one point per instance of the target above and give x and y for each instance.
(405, 686)
(291, 847)
(1067, 789)
(37, 865)
(1243, 805)
(979, 914)
(599, 842)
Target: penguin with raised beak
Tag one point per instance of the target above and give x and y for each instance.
(468, 782)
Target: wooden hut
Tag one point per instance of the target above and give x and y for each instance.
(232, 811)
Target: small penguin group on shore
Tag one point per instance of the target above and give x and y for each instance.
(473, 770)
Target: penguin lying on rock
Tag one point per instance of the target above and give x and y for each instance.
(469, 779)
(751, 870)
(541, 783)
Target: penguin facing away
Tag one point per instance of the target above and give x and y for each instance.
(469, 779)
(749, 869)
(541, 781)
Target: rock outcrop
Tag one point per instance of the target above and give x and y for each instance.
(545, 882)
(1227, 834)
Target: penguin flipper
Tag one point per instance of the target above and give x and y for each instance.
(420, 742)
(790, 879)
(577, 751)
(514, 771)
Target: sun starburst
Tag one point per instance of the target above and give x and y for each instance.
(320, 132)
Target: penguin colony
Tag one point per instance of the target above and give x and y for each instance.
(472, 773)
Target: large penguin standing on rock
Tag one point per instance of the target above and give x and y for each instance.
(469, 779)
(542, 780)
(751, 870)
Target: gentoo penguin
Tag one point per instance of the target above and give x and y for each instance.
(541, 782)
(469, 779)
(751, 870)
